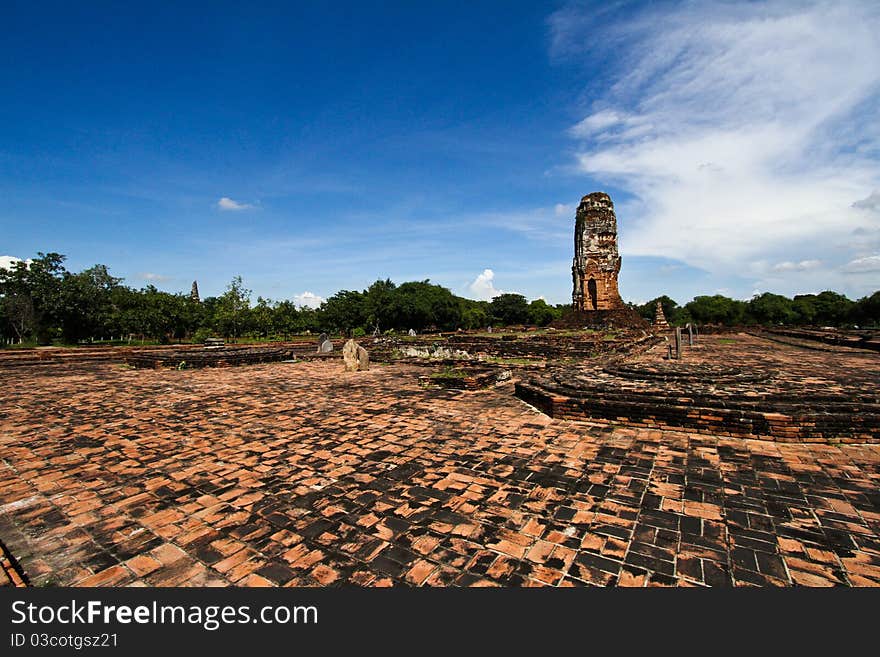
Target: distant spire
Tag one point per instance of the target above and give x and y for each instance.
(659, 317)
(194, 292)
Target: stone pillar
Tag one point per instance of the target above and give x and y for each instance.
(677, 342)
(690, 335)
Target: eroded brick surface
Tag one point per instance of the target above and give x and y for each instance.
(303, 475)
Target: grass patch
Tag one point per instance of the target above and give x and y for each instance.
(726, 341)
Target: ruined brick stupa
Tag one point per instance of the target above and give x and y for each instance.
(660, 322)
(595, 298)
(596, 261)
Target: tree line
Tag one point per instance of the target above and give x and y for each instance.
(42, 302)
(824, 309)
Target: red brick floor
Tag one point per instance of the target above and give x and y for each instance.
(303, 475)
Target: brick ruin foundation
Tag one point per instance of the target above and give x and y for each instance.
(720, 391)
(199, 358)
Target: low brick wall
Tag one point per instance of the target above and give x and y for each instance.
(546, 346)
(196, 359)
(869, 340)
(797, 424)
(472, 380)
(722, 393)
(120, 354)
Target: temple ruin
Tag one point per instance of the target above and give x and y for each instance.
(596, 260)
(595, 298)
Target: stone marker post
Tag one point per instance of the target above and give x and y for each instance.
(324, 344)
(677, 342)
(355, 357)
(690, 334)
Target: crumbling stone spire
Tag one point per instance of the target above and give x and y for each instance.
(194, 292)
(660, 318)
(596, 260)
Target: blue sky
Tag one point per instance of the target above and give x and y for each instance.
(311, 149)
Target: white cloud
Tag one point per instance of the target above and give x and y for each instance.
(563, 210)
(870, 202)
(542, 224)
(150, 276)
(6, 261)
(483, 286)
(596, 122)
(803, 265)
(863, 265)
(226, 203)
(731, 126)
(308, 300)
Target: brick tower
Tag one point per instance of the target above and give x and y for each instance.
(596, 260)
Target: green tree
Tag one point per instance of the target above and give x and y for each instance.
(832, 309)
(866, 311)
(474, 314)
(230, 315)
(263, 317)
(510, 309)
(377, 303)
(286, 318)
(85, 305)
(161, 315)
(716, 309)
(768, 308)
(34, 288)
(541, 313)
(421, 304)
(18, 314)
(309, 319)
(804, 308)
(344, 311)
(126, 304)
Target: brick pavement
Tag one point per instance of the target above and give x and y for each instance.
(303, 475)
